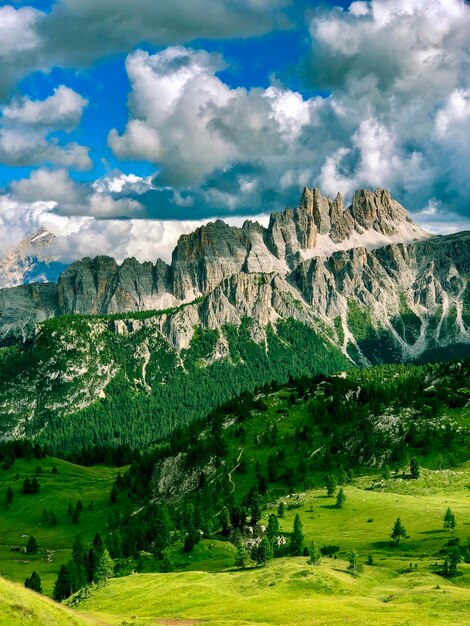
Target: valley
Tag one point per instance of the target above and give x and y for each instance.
(417, 403)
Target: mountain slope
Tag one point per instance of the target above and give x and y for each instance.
(21, 607)
(30, 262)
(263, 307)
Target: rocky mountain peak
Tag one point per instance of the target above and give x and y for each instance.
(30, 261)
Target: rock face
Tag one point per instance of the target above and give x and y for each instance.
(30, 262)
(205, 257)
(243, 300)
(100, 286)
(321, 264)
(21, 308)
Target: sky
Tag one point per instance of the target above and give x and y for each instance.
(124, 124)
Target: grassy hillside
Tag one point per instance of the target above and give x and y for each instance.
(22, 607)
(24, 516)
(287, 592)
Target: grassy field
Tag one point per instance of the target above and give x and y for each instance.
(286, 592)
(24, 516)
(22, 607)
(290, 592)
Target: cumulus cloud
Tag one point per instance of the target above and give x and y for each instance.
(209, 140)
(82, 30)
(398, 72)
(19, 43)
(62, 110)
(76, 32)
(25, 135)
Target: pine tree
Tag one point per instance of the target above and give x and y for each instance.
(34, 582)
(32, 545)
(113, 495)
(75, 516)
(453, 559)
(9, 495)
(340, 499)
(281, 509)
(241, 556)
(314, 554)
(297, 537)
(35, 487)
(54, 470)
(167, 564)
(330, 483)
(414, 468)
(386, 472)
(79, 506)
(398, 532)
(273, 528)
(105, 568)
(62, 586)
(27, 485)
(355, 566)
(264, 552)
(449, 520)
(224, 521)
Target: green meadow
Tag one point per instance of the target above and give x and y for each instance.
(24, 516)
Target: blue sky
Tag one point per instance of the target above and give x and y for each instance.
(180, 112)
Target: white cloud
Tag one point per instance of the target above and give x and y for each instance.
(190, 123)
(62, 110)
(19, 43)
(27, 124)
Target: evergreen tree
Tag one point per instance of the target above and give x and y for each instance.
(314, 554)
(27, 485)
(449, 520)
(53, 519)
(62, 586)
(98, 542)
(35, 487)
(297, 537)
(75, 516)
(414, 468)
(281, 509)
(105, 568)
(452, 561)
(330, 483)
(54, 470)
(113, 495)
(34, 582)
(32, 545)
(167, 564)
(386, 472)
(241, 556)
(224, 521)
(355, 566)
(273, 528)
(9, 495)
(79, 506)
(263, 553)
(340, 499)
(398, 532)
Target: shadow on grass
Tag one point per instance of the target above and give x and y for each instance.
(433, 532)
(331, 507)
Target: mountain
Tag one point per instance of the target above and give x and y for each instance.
(321, 288)
(30, 262)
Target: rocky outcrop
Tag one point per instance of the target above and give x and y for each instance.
(314, 255)
(30, 262)
(21, 308)
(100, 286)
